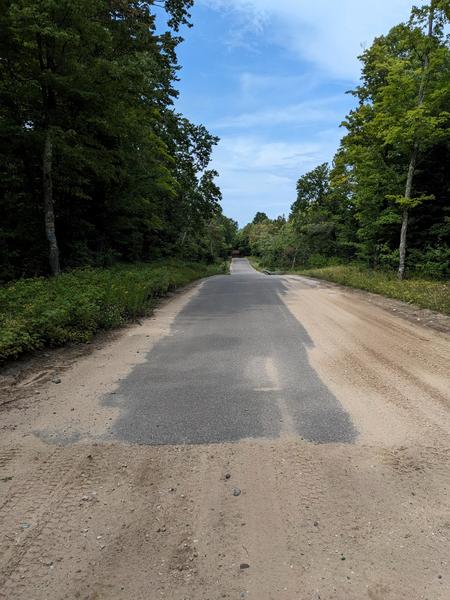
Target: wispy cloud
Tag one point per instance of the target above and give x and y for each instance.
(296, 114)
(273, 79)
(257, 173)
(252, 153)
(330, 34)
(252, 84)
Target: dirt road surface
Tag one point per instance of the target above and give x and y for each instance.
(258, 438)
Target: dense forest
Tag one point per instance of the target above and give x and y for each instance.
(96, 165)
(385, 199)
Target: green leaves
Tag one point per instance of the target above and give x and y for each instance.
(409, 202)
(353, 210)
(128, 171)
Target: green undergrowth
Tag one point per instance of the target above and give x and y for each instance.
(255, 262)
(40, 312)
(425, 293)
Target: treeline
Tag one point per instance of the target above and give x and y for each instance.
(96, 166)
(385, 200)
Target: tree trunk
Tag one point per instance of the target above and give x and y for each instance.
(294, 261)
(47, 65)
(408, 190)
(402, 247)
(49, 213)
(415, 151)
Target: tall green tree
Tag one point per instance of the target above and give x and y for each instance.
(260, 217)
(93, 157)
(390, 174)
(403, 76)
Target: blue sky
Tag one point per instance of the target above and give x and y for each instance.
(269, 78)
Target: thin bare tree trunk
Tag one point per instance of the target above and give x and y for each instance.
(402, 246)
(294, 260)
(49, 213)
(46, 63)
(414, 154)
(408, 190)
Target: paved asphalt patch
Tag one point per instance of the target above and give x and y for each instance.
(235, 366)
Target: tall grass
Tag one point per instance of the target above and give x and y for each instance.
(51, 312)
(424, 293)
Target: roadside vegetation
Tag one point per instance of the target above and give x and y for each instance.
(106, 188)
(40, 312)
(108, 199)
(425, 293)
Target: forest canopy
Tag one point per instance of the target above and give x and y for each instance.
(96, 165)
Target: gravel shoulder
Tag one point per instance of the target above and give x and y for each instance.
(410, 312)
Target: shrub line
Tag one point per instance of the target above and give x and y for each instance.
(40, 312)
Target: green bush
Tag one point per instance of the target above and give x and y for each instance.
(318, 261)
(432, 262)
(51, 312)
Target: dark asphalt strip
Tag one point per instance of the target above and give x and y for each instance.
(235, 366)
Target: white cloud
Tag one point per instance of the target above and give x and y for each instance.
(302, 113)
(328, 33)
(246, 192)
(258, 161)
(251, 153)
(256, 172)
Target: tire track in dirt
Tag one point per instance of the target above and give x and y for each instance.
(32, 506)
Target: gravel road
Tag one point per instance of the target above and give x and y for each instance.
(259, 437)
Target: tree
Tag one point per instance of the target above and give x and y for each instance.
(220, 236)
(310, 213)
(93, 156)
(260, 217)
(407, 112)
(198, 195)
(393, 158)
